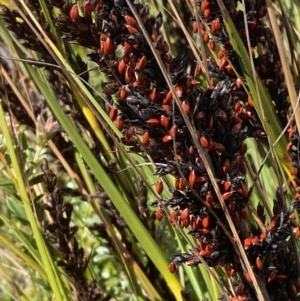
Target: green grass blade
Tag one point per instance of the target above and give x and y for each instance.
(26, 258)
(55, 281)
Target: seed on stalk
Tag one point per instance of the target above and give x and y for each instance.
(248, 277)
(206, 222)
(243, 189)
(173, 131)
(259, 264)
(129, 75)
(212, 45)
(227, 185)
(231, 206)
(223, 64)
(204, 141)
(129, 133)
(236, 129)
(172, 267)
(167, 138)
(168, 98)
(226, 166)
(122, 67)
(123, 93)
(74, 12)
(142, 62)
(145, 139)
(184, 214)
(113, 113)
(153, 122)
(227, 195)
(131, 29)
(250, 102)
(215, 25)
(209, 199)
(119, 123)
(159, 214)
(221, 54)
(192, 178)
(107, 46)
(238, 82)
(167, 108)
(195, 27)
(178, 90)
(254, 240)
(205, 37)
(180, 184)
(186, 107)
(198, 70)
(130, 21)
(206, 12)
(88, 7)
(127, 47)
(272, 275)
(172, 218)
(159, 187)
(154, 35)
(165, 121)
(154, 95)
(204, 5)
(243, 149)
(221, 114)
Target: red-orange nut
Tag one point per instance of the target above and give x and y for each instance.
(131, 29)
(130, 21)
(107, 46)
(123, 92)
(119, 123)
(74, 12)
(259, 264)
(227, 195)
(186, 107)
(184, 214)
(172, 267)
(204, 141)
(159, 187)
(192, 178)
(206, 12)
(159, 214)
(142, 62)
(173, 131)
(205, 37)
(145, 139)
(204, 5)
(153, 122)
(154, 95)
(165, 121)
(122, 67)
(181, 184)
(212, 45)
(113, 113)
(206, 222)
(127, 47)
(88, 7)
(166, 138)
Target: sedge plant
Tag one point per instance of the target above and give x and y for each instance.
(150, 151)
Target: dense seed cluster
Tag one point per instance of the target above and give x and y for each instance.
(61, 235)
(222, 114)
